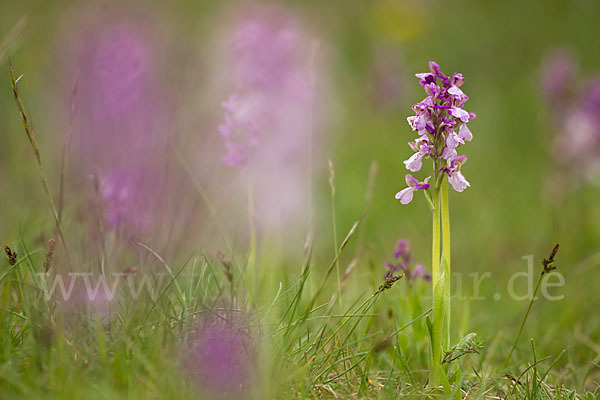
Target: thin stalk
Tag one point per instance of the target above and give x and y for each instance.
(252, 253)
(514, 345)
(310, 121)
(33, 142)
(67, 146)
(331, 267)
(100, 216)
(334, 225)
(198, 186)
(446, 255)
(21, 296)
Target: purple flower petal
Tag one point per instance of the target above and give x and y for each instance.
(460, 114)
(449, 153)
(405, 195)
(458, 181)
(410, 180)
(465, 133)
(455, 91)
(415, 162)
(434, 67)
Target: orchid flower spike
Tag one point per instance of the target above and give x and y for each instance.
(441, 121)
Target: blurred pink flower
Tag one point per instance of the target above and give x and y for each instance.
(120, 66)
(118, 105)
(578, 144)
(268, 55)
(575, 107)
(268, 123)
(220, 356)
(386, 79)
(558, 73)
(405, 263)
(83, 292)
(130, 198)
(239, 132)
(121, 117)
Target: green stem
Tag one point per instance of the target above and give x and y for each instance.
(435, 368)
(446, 255)
(435, 249)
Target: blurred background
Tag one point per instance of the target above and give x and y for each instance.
(530, 70)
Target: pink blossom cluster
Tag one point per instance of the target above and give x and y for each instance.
(268, 120)
(441, 121)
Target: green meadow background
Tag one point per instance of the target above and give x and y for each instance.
(514, 208)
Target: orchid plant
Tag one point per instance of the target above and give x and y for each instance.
(441, 123)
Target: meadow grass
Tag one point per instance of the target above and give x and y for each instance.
(373, 344)
(359, 337)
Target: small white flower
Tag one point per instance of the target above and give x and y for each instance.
(406, 195)
(415, 162)
(455, 91)
(461, 114)
(458, 181)
(465, 133)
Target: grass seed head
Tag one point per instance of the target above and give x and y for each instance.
(11, 255)
(50, 254)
